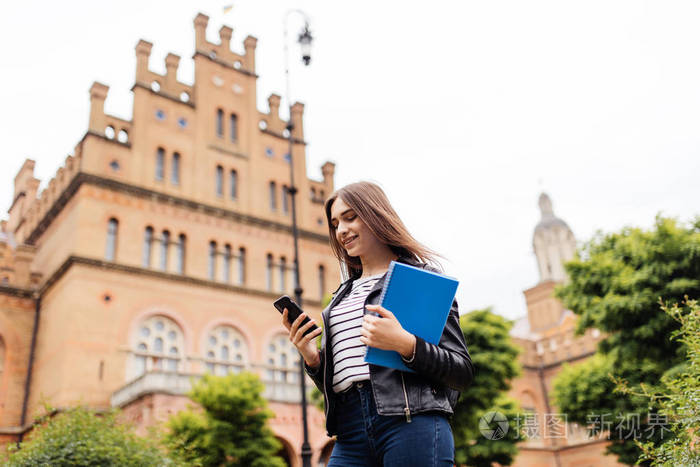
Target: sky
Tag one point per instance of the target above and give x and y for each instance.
(464, 112)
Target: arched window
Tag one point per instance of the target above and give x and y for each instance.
(219, 180)
(227, 263)
(273, 196)
(234, 127)
(285, 199)
(159, 346)
(241, 266)
(212, 260)
(226, 351)
(283, 273)
(233, 184)
(175, 175)
(160, 163)
(181, 253)
(219, 123)
(282, 360)
(147, 244)
(164, 247)
(321, 281)
(111, 249)
(268, 272)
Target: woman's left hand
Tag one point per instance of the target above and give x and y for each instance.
(385, 332)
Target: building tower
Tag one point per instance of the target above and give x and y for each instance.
(547, 338)
(155, 253)
(553, 242)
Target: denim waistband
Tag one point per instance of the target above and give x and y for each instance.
(353, 392)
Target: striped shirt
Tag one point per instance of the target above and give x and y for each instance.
(345, 324)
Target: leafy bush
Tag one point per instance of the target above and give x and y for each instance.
(230, 429)
(82, 437)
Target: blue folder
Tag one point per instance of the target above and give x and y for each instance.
(421, 301)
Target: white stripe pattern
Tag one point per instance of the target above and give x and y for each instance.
(344, 325)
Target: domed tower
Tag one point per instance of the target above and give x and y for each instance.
(554, 243)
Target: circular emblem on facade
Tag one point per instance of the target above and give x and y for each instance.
(493, 425)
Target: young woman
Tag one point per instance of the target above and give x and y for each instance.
(381, 416)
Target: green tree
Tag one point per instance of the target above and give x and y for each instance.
(495, 359)
(82, 437)
(679, 402)
(230, 426)
(615, 284)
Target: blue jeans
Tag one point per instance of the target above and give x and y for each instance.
(366, 438)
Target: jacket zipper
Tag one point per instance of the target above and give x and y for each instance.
(325, 365)
(407, 409)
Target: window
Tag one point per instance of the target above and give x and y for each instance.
(160, 163)
(283, 273)
(285, 199)
(212, 260)
(181, 253)
(273, 196)
(227, 263)
(219, 180)
(282, 360)
(111, 249)
(234, 127)
(241, 266)
(226, 351)
(159, 346)
(233, 184)
(123, 136)
(175, 175)
(313, 194)
(321, 281)
(268, 272)
(219, 123)
(164, 245)
(147, 243)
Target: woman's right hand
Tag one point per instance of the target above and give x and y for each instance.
(306, 344)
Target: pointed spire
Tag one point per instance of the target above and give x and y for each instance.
(546, 205)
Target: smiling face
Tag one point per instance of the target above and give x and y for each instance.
(352, 233)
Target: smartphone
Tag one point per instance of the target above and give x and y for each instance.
(293, 311)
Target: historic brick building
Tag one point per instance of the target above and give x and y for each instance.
(156, 251)
(546, 335)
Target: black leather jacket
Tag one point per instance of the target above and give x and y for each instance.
(441, 371)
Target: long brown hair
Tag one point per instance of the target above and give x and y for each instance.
(371, 204)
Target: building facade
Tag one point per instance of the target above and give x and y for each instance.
(156, 251)
(547, 338)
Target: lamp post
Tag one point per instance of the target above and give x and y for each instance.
(304, 41)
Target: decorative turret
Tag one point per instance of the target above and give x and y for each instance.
(172, 61)
(225, 34)
(250, 43)
(274, 102)
(328, 171)
(200, 30)
(297, 120)
(554, 243)
(98, 95)
(143, 53)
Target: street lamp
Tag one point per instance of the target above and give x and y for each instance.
(304, 41)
